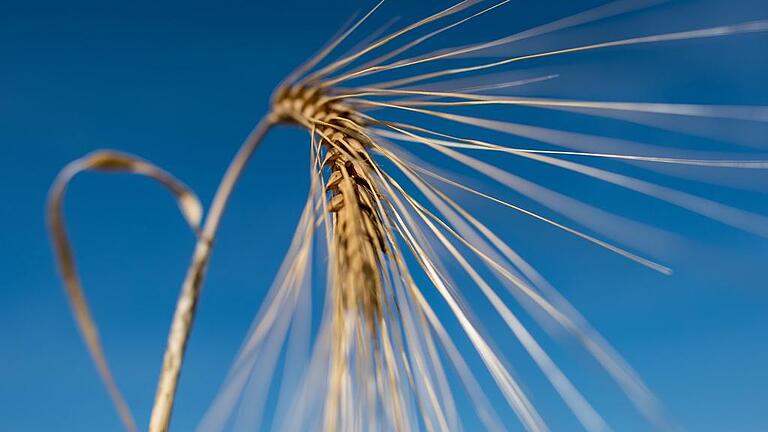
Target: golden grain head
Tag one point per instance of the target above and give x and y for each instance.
(378, 360)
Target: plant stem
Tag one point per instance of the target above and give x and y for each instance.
(190, 289)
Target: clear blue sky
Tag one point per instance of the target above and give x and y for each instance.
(181, 83)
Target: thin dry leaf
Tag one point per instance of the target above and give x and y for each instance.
(112, 162)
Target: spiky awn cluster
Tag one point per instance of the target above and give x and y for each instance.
(377, 359)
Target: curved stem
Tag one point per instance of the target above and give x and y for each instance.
(190, 289)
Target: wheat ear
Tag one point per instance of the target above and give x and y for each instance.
(376, 363)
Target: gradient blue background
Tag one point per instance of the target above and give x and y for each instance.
(181, 83)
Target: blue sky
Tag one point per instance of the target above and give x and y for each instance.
(181, 83)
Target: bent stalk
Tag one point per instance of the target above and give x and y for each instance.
(190, 289)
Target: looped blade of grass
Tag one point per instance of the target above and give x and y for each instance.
(108, 161)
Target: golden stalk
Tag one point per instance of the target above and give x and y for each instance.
(190, 289)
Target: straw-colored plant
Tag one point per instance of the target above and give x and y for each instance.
(377, 357)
